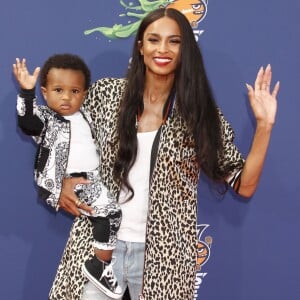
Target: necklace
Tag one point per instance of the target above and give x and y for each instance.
(170, 104)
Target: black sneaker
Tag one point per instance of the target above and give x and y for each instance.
(101, 274)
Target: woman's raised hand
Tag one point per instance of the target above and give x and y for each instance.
(262, 100)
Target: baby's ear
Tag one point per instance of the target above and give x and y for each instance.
(44, 92)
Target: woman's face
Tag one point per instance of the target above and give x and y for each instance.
(161, 47)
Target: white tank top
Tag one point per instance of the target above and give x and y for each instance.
(135, 211)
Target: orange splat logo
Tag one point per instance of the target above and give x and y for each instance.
(195, 11)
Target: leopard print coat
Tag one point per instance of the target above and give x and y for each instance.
(171, 240)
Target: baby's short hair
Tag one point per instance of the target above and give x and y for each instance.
(65, 61)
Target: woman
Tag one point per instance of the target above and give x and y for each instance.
(156, 130)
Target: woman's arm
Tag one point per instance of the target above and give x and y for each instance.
(264, 105)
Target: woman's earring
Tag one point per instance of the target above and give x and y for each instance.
(140, 47)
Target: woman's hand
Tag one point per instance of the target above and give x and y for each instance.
(262, 100)
(26, 80)
(68, 200)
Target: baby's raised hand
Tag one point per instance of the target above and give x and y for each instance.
(25, 79)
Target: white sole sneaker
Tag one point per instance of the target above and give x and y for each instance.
(98, 285)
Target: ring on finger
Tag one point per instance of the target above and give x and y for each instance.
(77, 202)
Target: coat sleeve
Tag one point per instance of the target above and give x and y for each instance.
(232, 159)
(28, 120)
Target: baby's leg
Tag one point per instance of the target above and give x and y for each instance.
(99, 269)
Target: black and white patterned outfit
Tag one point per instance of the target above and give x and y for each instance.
(52, 133)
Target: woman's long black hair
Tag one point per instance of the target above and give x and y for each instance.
(194, 100)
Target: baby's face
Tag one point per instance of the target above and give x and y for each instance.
(65, 90)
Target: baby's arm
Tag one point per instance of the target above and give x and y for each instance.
(29, 123)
